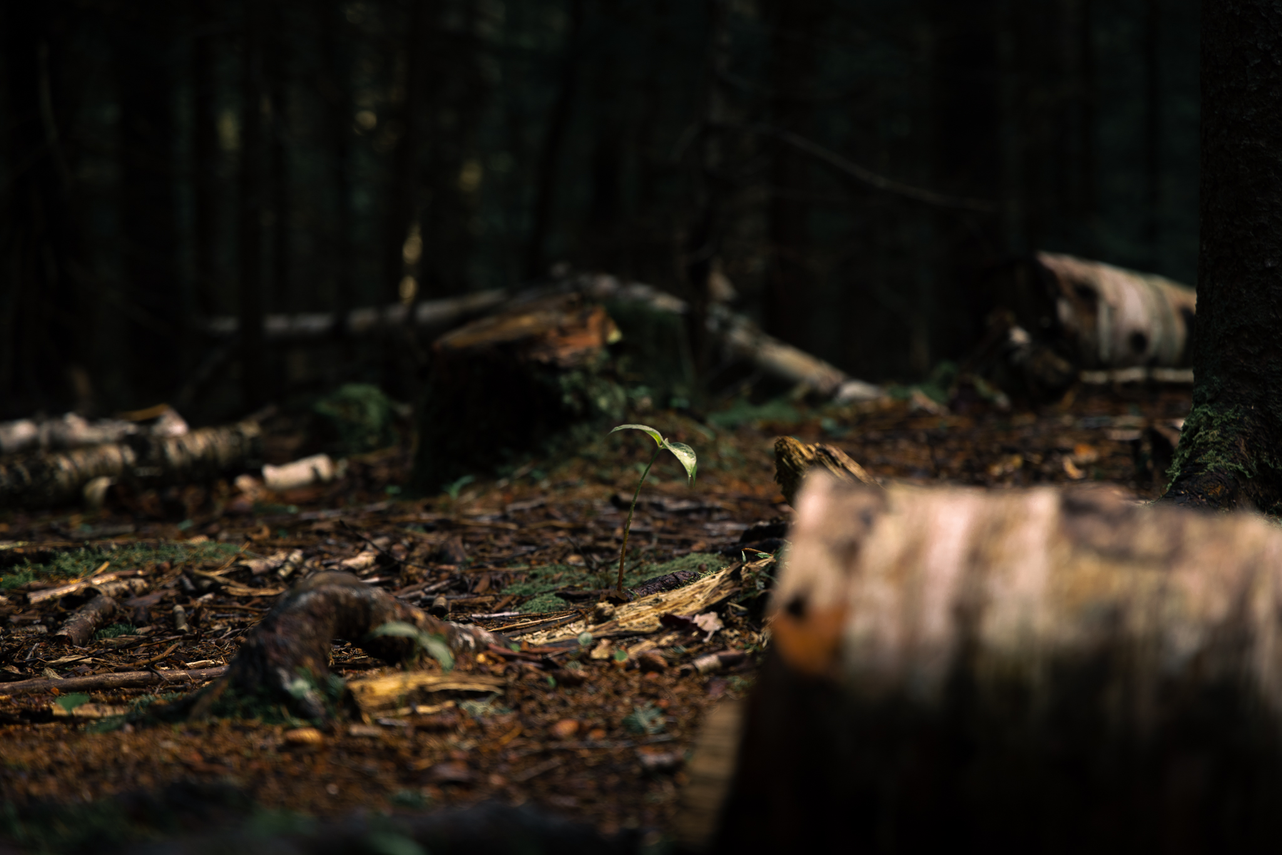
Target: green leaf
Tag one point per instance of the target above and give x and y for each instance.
(73, 700)
(432, 645)
(686, 455)
(654, 434)
(682, 452)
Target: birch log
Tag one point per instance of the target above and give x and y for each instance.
(957, 670)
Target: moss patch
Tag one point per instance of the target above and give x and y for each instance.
(77, 562)
(542, 582)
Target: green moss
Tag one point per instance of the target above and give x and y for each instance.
(116, 630)
(1214, 437)
(75, 563)
(356, 418)
(743, 411)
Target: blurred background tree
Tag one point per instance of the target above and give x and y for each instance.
(164, 163)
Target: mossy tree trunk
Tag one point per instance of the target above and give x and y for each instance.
(1228, 453)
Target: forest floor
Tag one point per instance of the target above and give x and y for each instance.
(596, 732)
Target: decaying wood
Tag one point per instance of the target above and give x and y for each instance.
(373, 693)
(961, 669)
(95, 580)
(87, 619)
(794, 459)
(294, 640)
(104, 682)
(645, 614)
(200, 455)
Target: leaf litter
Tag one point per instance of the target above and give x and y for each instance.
(527, 553)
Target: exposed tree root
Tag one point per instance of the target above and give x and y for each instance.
(285, 658)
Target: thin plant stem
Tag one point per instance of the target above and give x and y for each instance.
(627, 526)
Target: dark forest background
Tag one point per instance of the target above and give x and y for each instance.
(854, 167)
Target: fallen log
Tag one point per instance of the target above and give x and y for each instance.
(285, 658)
(74, 431)
(954, 669)
(201, 455)
(735, 336)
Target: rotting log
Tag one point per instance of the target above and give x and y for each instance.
(200, 455)
(961, 670)
(509, 382)
(793, 459)
(285, 658)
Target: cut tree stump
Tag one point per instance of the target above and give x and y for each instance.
(285, 658)
(961, 670)
(509, 382)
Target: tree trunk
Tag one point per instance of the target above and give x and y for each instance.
(43, 343)
(966, 158)
(205, 155)
(558, 122)
(337, 87)
(250, 290)
(149, 206)
(1228, 451)
(790, 275)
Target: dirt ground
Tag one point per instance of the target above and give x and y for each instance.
(597, 732)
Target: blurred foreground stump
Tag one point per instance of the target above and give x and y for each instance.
(1037, 670)
(509, 382)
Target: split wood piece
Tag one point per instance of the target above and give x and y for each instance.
(967, 669)
(374, 693)
(105, 682)
(201, 455)
(86, 620)
(515, 379)
(794, 459)
(296, 636)
(645, 615)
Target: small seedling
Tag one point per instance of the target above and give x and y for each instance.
(432, 645)
(683, 453)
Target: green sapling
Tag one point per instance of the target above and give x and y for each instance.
(683, 453)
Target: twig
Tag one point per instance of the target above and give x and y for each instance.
(867, 176)
(96, 682)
